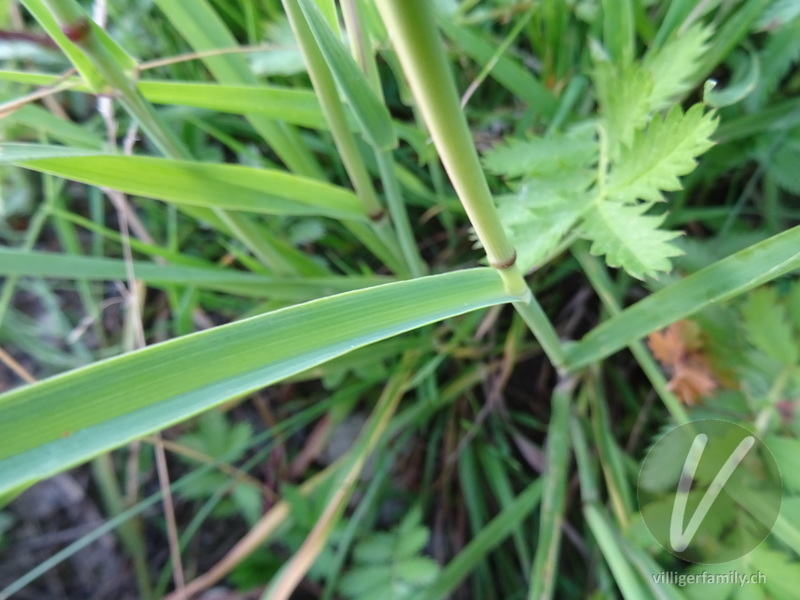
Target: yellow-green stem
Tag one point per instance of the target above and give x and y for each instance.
(411, 26)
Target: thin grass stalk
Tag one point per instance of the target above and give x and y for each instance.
(354, 24)
(602, 285)
(332, 107)
(397, 209)
(486, 540)
(545, 562)
(411, 26)
(596, 519)
(129, 531)
(331, 104)
(362, 53)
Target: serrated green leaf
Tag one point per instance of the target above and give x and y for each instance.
(368, 583)
(215, 436)
(672, 67)
(417, 571)
(540, 158)
(249, 501)
(781, 51)
(411, 542)
(629, 239)
(537, 219)
(375, 549)
(623, 94)
(768, 327)
(661, 153)
(781, 161)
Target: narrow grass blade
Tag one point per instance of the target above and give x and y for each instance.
(57, 423)
(508, 72)
(229, 187)
(204, 30)
(723, 280)
(84, 66)
(56, 128)
(62, 266)
(296, 106)
(607, 539)
(545, 562)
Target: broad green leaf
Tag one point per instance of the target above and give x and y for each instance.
(661, 153)
(230, 187)
(628, 238)
(59, 422)
(721, 281)
(370, 112)
(63, 266)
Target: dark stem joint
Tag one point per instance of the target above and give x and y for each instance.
(506, 264)
(77, 32)
(376, 217)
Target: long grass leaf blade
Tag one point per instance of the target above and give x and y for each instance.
(62, 266)
(230, 187)
(723, 280)
(62, 421)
